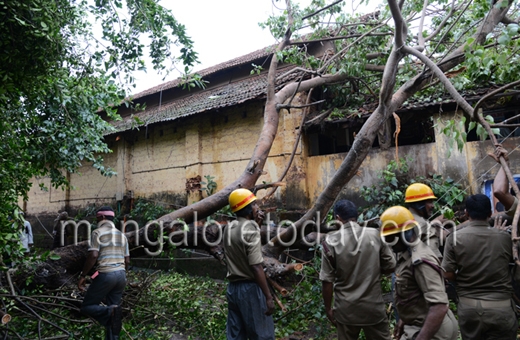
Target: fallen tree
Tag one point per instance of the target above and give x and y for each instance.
(416, 63)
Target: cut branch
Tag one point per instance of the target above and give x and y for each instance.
(277, 286)
(5, 317)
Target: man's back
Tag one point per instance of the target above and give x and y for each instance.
(480, 256)
(242, 247)
(112, 246)
(477, 258)
(359, 255)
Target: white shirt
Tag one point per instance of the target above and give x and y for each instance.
(26, 235)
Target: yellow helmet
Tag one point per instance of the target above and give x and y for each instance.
(240, 198)
(395, 220)
(418, 192)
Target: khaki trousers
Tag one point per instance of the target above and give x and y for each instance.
(379, 331)
(480, 319)
(448, 331)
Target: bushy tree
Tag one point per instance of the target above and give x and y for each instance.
(63, 62)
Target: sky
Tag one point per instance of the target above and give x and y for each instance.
(221, 30)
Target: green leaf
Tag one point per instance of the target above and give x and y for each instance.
(504, 39)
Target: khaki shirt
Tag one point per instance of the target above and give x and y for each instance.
(243, 248)
(428, 234)
(419, 283)
(359, 255)
(480, 257)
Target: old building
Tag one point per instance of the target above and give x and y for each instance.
(183, 137)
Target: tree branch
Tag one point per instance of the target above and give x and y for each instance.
(449, 30)
(341, 37)
(298, 69)
(441, 25)
(507, 21)
(343, 50)
(375, 68)
(420, 37)
(492, 93)
(321, 10)
(297, 141)
(400, 26)
(442, 78)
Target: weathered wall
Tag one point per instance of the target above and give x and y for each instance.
(470, 168)
(324, 167)
(156, 162)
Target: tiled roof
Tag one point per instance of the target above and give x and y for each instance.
(415, 103)
(245, 59)
(419, 103)
(237, 92)
(240, 91)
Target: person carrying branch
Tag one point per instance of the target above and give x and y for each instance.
(353, 259)
(420, 294)
(250, 303)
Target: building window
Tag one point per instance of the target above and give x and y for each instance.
(499, 115)
(330, 137)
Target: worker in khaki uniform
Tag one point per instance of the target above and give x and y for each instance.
(477, 258)
(419, 200)
(420, 295)
(250, 303)
(353, 259)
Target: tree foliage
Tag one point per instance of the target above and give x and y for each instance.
(363, 42)
(62, 63)
(391, 189)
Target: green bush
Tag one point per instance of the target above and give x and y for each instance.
(145, 211)
(394, 180)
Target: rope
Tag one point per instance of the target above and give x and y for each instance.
(43, 226)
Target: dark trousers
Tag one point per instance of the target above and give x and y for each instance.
(246, 308)
(106, 287)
